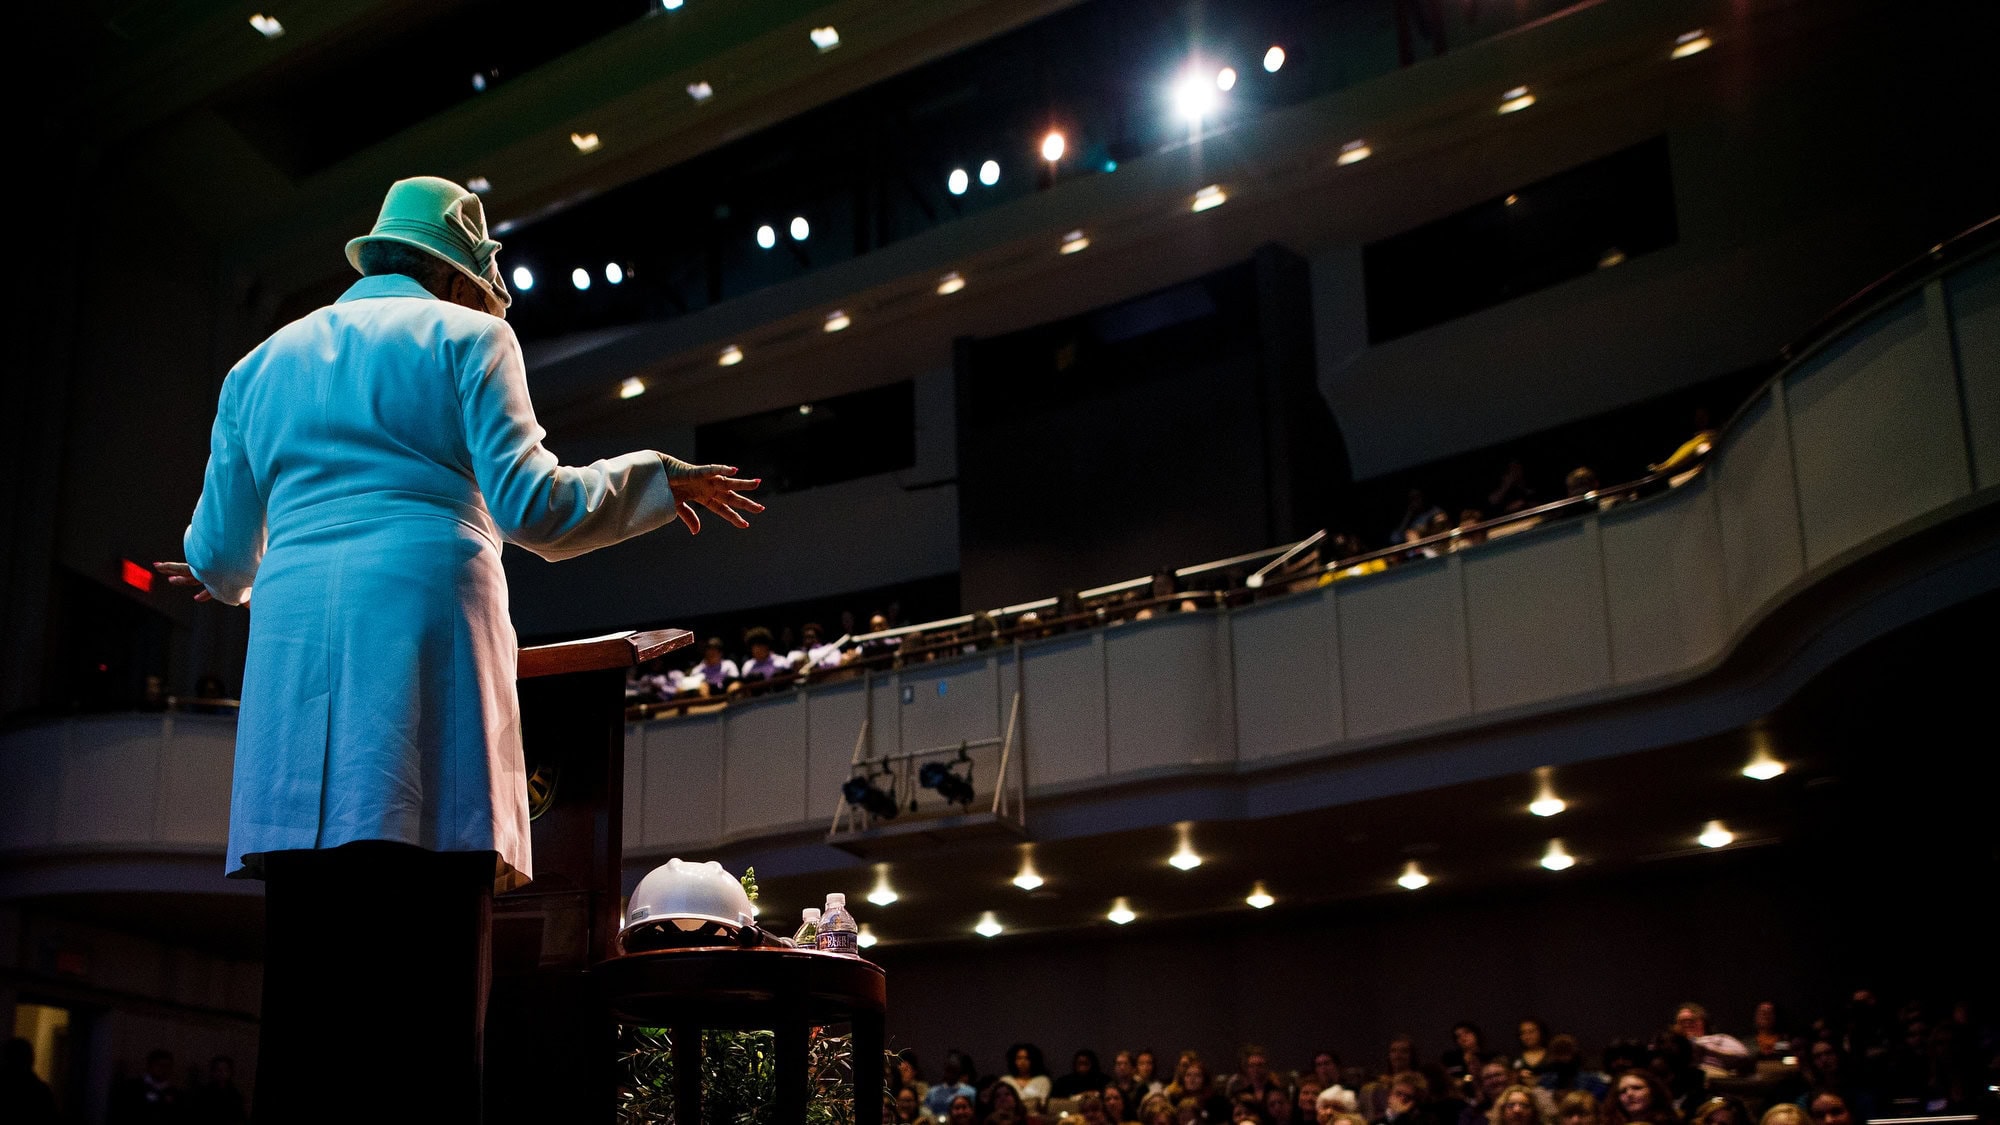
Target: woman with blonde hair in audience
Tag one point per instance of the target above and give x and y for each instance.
(1158, 1109)
(1577, 1107)
(1784, 1113)
(1640, 1098)
(1516, 1105)
(1720, 1110)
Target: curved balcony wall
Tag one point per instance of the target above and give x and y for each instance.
(1888, 430)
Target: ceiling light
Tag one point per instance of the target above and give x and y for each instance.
(805, 408)
(672, 5)
(613, 272)
(1052, 146)
(1516, 99)
(1259, 897)
(957, 182)
(1412, 879)
(766, 237)
(989, 173)
(825, 38)
(1611, 257)
(1184, 857)
(1762, 766)
(1714, 835)
(1074, 241)
(1546, 803)
(1225, 78)
(524, 278)
(835, 321)
(800, 228)
(1511, 199)
(988, 926)
(700, 91)
(729, 356)
(1691, 43)
(1353, 152)
(1029, 878)
(867, 939)
(1210, 196)
(478, 82)
(267, 26)
(1121, 912)
(950, 283)
(1273, 59)
(584, 142)
(883, 894)
(632, 387)
(1194, 97)
(1556, 859)
(479, 185)
(580, 278)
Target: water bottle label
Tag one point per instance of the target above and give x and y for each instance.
(839, 941)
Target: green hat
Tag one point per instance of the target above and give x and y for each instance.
(443, 220)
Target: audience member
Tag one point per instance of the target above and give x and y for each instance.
(1468, 1050)
(962, 1110)
(1469, 534)
(1771, 1040)
(1512, 494)
(814, 655)
(1718, 1055)
(1407, 1095)
(1639, 1096)
(1278, 1108)
(714, 675)
(217, 1101)
(1158, 1109)
(24, 1098)
(1495, 1076)
(1720, 1110)
(1028, 1075)
(1534, 1053)
(1253, 1075)
(1516, 1105)
(149, 1097)
(1374, 1096)
(1146, 1073)
(1084, 1076)
(1194, 1097)
(1117, 1107)
(1577, 1108)
(763, 664)
(1090, 1105)
(1002, 1102)
(1828, 1108)
(1326, 1068)
(1784, 1113)
(910, 1108)
(951, 1084)
(1416, 514)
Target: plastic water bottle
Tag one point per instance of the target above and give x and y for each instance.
(808, 935)
(837, 931)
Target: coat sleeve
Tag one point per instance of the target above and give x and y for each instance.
(555, 510)
(225, 541)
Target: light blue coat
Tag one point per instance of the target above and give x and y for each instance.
(367, 462)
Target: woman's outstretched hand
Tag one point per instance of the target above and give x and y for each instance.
(712, 487)
(180, 574)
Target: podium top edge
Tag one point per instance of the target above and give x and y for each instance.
(613, 650)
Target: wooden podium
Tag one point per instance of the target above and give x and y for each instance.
(551, 1046)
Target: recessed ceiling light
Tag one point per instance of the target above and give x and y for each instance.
(1052, 146)
(672, 5)
(1762, 766)
(479, 185)
(1225, 79)
(1259, 897)
(1516, 99)
(632, 387)
(1511, 199)
(883, 894)
(524, 278)
(989, 173)
(867, 938)
(1546, 803)
(950, 283)
(700, 91)
(1556, 859)
(1611, 257)
(767, 237)
(1353, 152)
(957, 182)
(1412, 879)
(1029, 879)
(1273, 59)
(1121, 912)
(478, 82)
(1714, 835)
(730, 356)
(613, 272)
(584, 142)
(988, 926)
(267, 26)
(1194, 96)
(825, 38)
(801, 229)
(1210, 196)
(836, 321)
(1691, 43)
(805, 408)
(1074, 241)
(580, 278)
(1184, 857)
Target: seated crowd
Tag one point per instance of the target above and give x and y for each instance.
(1846, 1071)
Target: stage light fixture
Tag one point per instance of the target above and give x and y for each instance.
(867, 938)
(613, 273)
(944, 778)
(1556, 859)
(825, 38)
(836, 321)
(800, 230)
(267, 26)
(1184, 856)
(1259, 897)
(729, 356)
(1195, 97)
(700, 91)
(989, 173)
(957, 182)
(988, 926)
(580, 278)
(1225, 79)
(1074, 241)
(1516, 100)
(479, 185)
(1412, 878)
(1052, 146)
(766, 236)
(632, 387)
(585, 142)
(1208, 197)
(1273, 59)
(950, 283)
(524, 278)
(1353, 152)
(861, 792)
(883, 894)
(1714, 835)
(1691, 43)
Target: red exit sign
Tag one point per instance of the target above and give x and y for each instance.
(136, 575)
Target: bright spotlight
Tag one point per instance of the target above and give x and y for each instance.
(1556, 859)
(1353, 152)
(836, 321)
(1210, 196)
(825, 38)
(632, 387)
(1273, 59)
(1412, 878)
(957, 182)
(883, 894)
(1691, 43)
(700, 91)
(672, 5)
(1516, 99)
(1194, 97)
(1714, 835)
(1547, 804)
(1074, 241)
(1052, 146)
(950, 283)
(989, 173)
(730, 357)
(613, 272)
(1259, 897)
(988, 926)
(766, 237)
(267, 26)
(800, 228)
(580, 278)
(524, 278)
(1121, 912)
(585, 142)
(1225, 79)
(866, 939)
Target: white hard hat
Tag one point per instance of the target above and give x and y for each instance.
(682, 903)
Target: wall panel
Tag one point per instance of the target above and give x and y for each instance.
(683, 783)
(110, 781)
(1757, 509)
(764, 772)
(1535, 617)
(1974, 296)
(950, 702)
(195, 773)
(833, 720)
(635, 785)
(1168, 691)
(1063, 700)
(1402, 640)
(1663, 577)
(31, 776)
(1287, 676)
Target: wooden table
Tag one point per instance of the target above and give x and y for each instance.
(787, 991)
